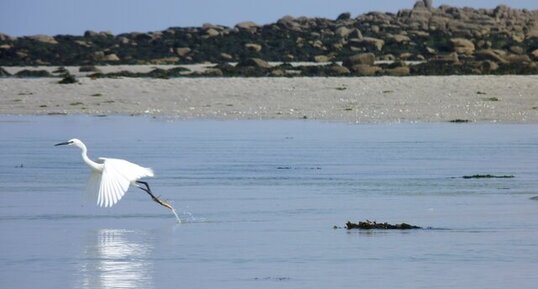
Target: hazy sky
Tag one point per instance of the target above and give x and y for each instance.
(28, 17)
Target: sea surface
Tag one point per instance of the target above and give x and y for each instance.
(259, 202)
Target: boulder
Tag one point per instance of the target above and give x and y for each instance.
(399, 38)
(33, 73)
(253, 47)
(212, 32)
(515, 58)
(344, 16)
(182, 51)
(462, 46)
(336, 69)
(419, 4)
(342, 31)
(254, 62)
(5, 37)
(288, 22)
(375, 42)
(491, 54)
(428, 4)
(517, 49)
(362, 58)
(488, 66)
(278, 73)
(355, 34)
(213, 72)
(82, 43)
(247, 26)
(89, 68)
(226, 56)
(321, 58)
(4, 73)
(451, 58)
(111, 58)
(534, 54)
(398, 71)
(43, 39)
(365, 69)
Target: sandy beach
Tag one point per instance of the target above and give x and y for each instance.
(349, 99)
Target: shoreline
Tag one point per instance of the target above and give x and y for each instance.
(506, 99)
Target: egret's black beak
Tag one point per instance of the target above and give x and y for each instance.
(62, 143)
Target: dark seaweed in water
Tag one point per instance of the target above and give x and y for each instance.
(370, 225)
(488, 177)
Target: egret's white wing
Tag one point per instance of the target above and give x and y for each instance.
(93, 186)
(115, 180)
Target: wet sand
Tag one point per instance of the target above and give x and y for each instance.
(366, 99)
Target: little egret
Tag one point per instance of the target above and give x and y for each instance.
(111, 178)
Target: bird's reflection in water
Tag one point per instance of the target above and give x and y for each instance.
(117, 260)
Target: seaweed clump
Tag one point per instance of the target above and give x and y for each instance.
(371, 225)
(488, 177)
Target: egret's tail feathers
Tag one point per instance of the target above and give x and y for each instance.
(150, 172)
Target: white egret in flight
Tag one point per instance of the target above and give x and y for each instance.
(111, 178)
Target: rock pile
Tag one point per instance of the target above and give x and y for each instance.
(443, 40)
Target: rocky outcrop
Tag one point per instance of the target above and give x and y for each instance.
(443, 39)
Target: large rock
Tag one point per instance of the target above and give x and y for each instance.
(254, 62)
(398, 71)
(288, 22)
(253, 47)
(375, 42)
(516, 58)
(462, 46)
(355, 34)
(491, 54)
(428, 4)
(43, 39)
(365, 69)
(322, 58)
(535, 54)
(336, 69)
(488, 66)
(342, 31)
(344, 16)
(4, 73)
(182, 51)
(5, 37)
(111, 58)
(247, 26)
(212, 32)
(362, 58)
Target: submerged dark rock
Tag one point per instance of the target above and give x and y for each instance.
(4, 73)
(33, 73)
(68, 79)
(371, 225)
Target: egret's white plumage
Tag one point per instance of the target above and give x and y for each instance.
(110, 178)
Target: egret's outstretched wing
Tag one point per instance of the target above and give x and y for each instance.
(115, 180)
(92, 188)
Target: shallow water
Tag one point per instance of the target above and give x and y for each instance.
(259, 199)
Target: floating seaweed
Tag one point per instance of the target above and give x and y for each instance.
(371, 225)
(488, 176)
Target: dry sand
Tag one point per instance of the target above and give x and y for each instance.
(365, 99)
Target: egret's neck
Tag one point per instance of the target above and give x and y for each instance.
(93, 165)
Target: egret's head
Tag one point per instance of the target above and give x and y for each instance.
(73, 141)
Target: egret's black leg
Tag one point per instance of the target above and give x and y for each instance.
(156, 199)
(147, 189)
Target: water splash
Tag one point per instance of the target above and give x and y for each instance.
(175, 214)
